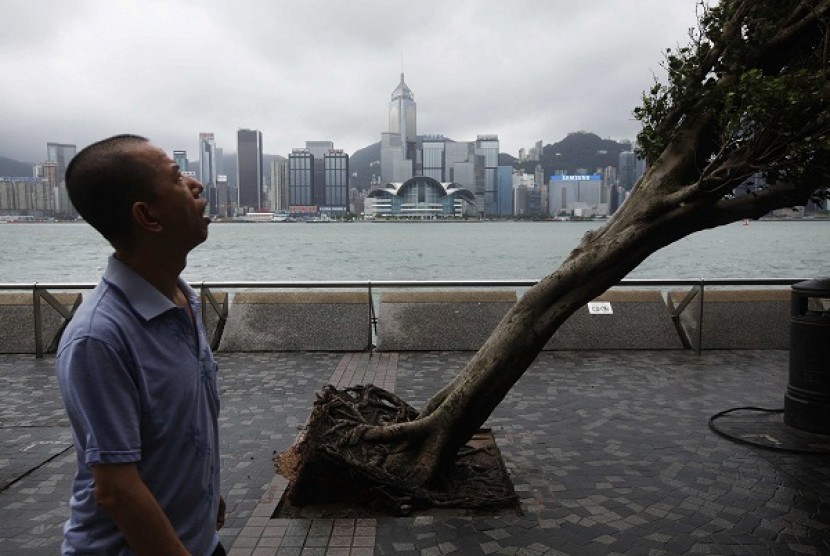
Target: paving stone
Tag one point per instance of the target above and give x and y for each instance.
(611, 451)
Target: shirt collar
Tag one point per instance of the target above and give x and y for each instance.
(143, 296)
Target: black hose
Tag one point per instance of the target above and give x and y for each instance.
(799, 451)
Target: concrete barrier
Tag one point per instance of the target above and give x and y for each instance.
(297, 321)
(439, 320)
(738, 319)
(639, 319)
(17, 321)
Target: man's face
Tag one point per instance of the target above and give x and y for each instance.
(178, 206)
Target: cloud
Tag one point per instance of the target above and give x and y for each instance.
(324, 70)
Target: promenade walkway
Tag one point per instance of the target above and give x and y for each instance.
(609, 452)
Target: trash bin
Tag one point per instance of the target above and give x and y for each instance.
(807, 401)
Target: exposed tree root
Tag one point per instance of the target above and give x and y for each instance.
(337, 461)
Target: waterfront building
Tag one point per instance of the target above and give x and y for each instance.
(61, 154)
(577, 195)
(207, 169)
(534, 202)
(626, 170)
(26, 196)
(420, 198)
(487, 147)
(629, 169)
(520, 204)
(526, 203)
(225, 196)
(279, 185)
(335, 183)
(433, 157)
(471, 165)
(300, 181)
(539, 178)
(318, 180)
(504, 187)
(249, 169)
(48, 172)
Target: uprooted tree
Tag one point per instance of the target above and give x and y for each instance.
(748, 95)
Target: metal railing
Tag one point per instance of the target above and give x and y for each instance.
(42, 291)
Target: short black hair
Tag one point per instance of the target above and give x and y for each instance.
(104, 180)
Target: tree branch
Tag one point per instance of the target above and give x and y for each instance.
(757, 205)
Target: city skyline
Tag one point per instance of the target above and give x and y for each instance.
(323, 70)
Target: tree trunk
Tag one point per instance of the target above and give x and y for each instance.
(374, 435)
(416, 454)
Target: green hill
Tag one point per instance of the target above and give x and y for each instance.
(363, 164)
(15, 168)
(579, 152)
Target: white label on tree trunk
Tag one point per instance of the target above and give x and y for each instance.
(600, 308)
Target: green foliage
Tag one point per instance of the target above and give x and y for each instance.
(754, 84)
(578, 150)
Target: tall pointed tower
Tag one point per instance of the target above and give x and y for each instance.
(400, 142)
(402, 113)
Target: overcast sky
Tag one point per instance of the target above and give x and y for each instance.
(81, 70)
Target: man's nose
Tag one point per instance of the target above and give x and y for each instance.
(196, 186)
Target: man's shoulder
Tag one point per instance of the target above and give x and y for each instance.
(103, 313)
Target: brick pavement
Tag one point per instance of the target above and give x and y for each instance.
(609, 452)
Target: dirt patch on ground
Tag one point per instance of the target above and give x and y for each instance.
(481, 462)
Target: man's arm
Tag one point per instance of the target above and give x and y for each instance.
(121, 492)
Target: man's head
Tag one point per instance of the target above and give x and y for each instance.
(103, 182)
(125, 185)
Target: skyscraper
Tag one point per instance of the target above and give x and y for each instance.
(487, 146)
(207, 170)
(336, 165)
(61, 154)
(398, 145)
(249, 169)
(433, 157)
(224, 201)
(318, 179)
(504, 197)
(279, 185)
(627, 170)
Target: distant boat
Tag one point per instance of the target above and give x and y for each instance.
(282, 218)
(324, 219)
(746, 222)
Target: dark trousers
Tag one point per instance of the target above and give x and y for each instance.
(220, 550)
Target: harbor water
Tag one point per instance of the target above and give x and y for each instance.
(73, 252)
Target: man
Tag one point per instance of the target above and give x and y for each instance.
(134, 367)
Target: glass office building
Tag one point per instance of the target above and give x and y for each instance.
(249, 169)
(61, 154)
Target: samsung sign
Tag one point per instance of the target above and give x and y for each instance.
(589, 177)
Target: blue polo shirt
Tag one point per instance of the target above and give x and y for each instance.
(139, 384)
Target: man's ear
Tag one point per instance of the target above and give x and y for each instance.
(145, 218)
